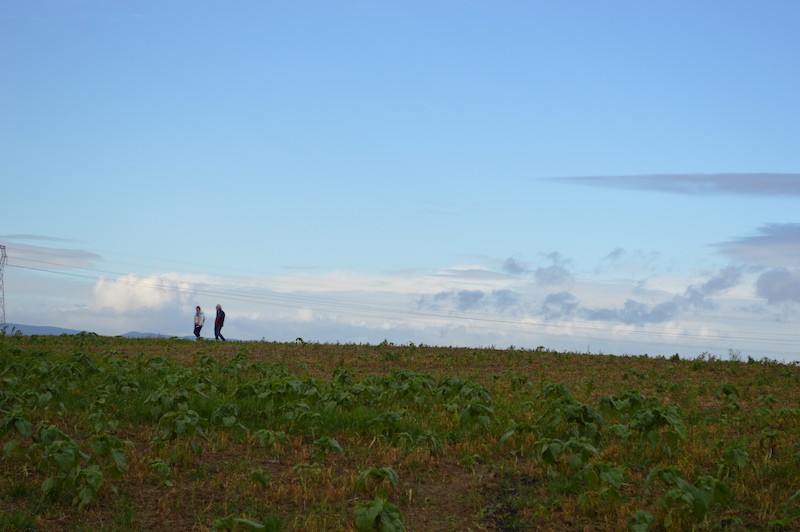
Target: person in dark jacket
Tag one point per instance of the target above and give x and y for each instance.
(218, 323)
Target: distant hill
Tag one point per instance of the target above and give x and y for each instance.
(136, 334)
(47, 330)
(44, 330)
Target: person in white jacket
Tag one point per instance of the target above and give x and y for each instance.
(199, 320)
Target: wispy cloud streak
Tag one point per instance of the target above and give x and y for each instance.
(776, 245)
(756, 184)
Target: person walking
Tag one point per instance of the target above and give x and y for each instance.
(219, 321)
(199, 321)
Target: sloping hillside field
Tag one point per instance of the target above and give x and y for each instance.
(120, 434)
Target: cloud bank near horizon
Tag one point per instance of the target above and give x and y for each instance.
(510, 301)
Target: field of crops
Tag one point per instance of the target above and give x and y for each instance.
(119, 434)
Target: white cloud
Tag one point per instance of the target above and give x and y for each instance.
(133, 292)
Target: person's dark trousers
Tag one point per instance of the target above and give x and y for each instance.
(197, 330)
(218, 333)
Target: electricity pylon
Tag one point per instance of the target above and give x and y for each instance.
(3, 259)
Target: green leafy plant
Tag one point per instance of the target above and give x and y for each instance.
(57, 453)
(575, 452)
(227, 415)
(261, 476)
(182, 422)
(476, 412)
(375, 478)
(432, 441)
(163, 471)
(108, 445)
(734, 459)
(16, 423)
(683, 501)
(378, 514)
(641, 521)
(667, 419)
(566, 417)
(603, 481)
(386, 422)
(269, 438)
(328, 444)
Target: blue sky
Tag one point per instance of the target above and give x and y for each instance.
(603, 176)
